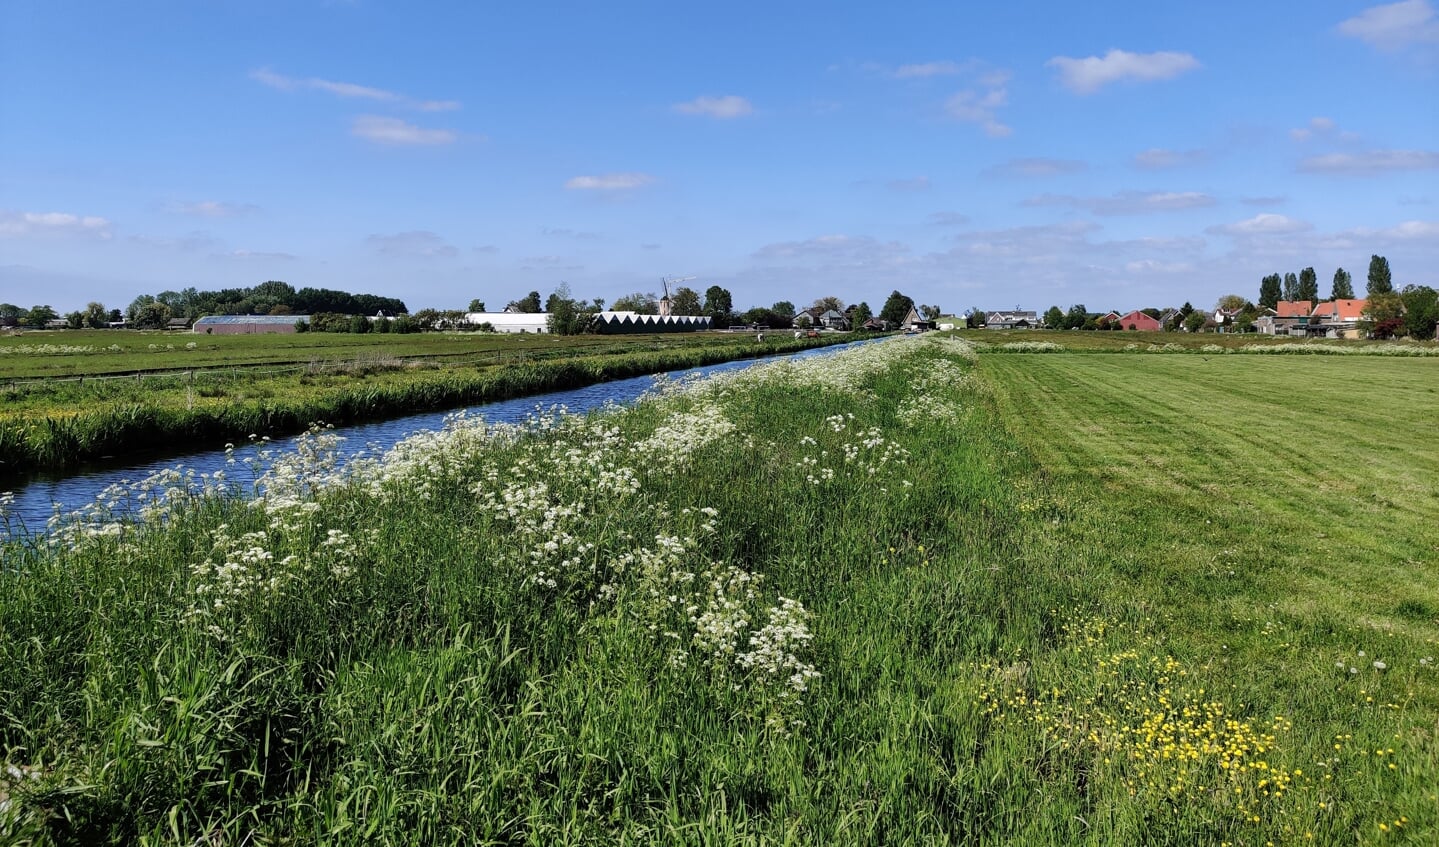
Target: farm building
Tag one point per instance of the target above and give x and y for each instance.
(511, 322)
(616, 323)
(247, 324)
(1138, 320)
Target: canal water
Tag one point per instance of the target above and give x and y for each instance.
(37, 498)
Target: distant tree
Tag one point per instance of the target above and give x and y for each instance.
(11, 312)
(930, 313)
(1421, 311)
(896, 309)
(1195, 321)
(784, 307)
(686, 301)
(1380, 280)
(1090, 324)
(95, 315)
(152, 315)
(1308, 286)
(1270, 291)
(1102, 324)
(1054, 318)
(1076, 316)
(827, 304)
(859, 313)
(1343, 286)
(974, 318)
(719, 305)
(802, 321)
(1291, 287)
(1230, 303)
(529, 304)
(569, 316)
(477, 305)
(38, 316)
(1383, 315)
(75, 319)
(1152, 312)
(645, 304)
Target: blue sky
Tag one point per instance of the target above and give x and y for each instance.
(1119, 155)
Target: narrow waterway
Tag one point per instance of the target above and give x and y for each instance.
(37, 498)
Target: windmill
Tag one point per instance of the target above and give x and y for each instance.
(665, 300)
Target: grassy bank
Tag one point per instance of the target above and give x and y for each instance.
(59, 423)
(891, 596)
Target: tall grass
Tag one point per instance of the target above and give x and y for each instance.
(851, 600)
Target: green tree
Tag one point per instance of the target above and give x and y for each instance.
(719, 305)
(1343, 286)
(75, 319)
(828, 304)
(11, 312)
(896, 309)
(1230, 303)
(477, 305)
(686, 301)
(569, 316)
(1291, 287)
(152, 315)
(641, 302)
(1076, 316)
(1054, 318)
(1308, 286)
(784, 307)
(529, 304)
(95, 315)
(38, 316)
(860, 313)
(1421, 311)
(1195, 321)
(1380, 280)
(930, 313)
(1269, 291)
(1383, 315)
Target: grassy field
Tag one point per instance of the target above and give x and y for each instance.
(54, 421)
(1015, 340)
(902, 595)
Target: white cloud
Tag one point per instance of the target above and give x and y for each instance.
(1371, 162)
(348, 91)
(1038, 167)
(724, 108)
(53, 224)
(1148, 266)
(928, 69)
(609, 182)
(393, 131)
(1262, 224)
(1394, 26)
(1088, 75)
(1317, 126)
(1427, 231)
(422, 243)
(1158, 159)
(1128, 202)
(978, 105)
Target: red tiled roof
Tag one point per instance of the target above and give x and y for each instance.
(1340, 310)
(1292, 309)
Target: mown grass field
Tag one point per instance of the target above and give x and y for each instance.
(902, 595)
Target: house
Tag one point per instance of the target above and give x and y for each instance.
(875, 325)
(1011, 320)
(1286, 318)
(1226, 318)
(1138, 320)
(834, 320)
(1111, 317)
(1336, 319)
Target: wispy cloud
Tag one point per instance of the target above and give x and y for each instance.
(1038, 166)
(348, 91)
(1275, 200)
(53, 224)
(832, 248)
(420, 243)
(918, 183)
(1159, 159)
(211, 209)
(564, 232)
(947, 219)
(1317, 126)
(258, 255)
(609, 182)
(1394, 26)
(395, 132)
(928, 69)
(979, 104)
(1262, 224)
(1088, 75)
(1128, 202)
(1371, 162)
(724, 108)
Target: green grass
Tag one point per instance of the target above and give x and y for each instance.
(1127, 341)
(55, 422)
(1053, 592)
